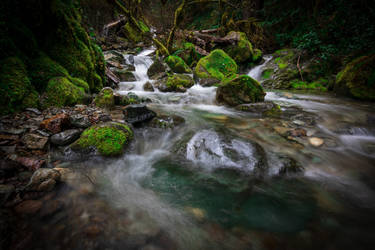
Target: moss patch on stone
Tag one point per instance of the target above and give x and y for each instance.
(241, 90)
(109, 139)
(132, 33)
(61, 92)
(316, 86)
(177, 65)
(242, 51)
(178, 81)
(105, 99)
(217, 65)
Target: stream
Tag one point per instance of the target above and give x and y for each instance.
(227, 179)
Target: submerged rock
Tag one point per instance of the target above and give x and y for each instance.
(177, 65)
(217, 65)
(66, 137)
(105, 99)
(175, 83)
(44, 180)
(164, 121)
(107, 139)
(264, 108)
(241, 90)
(138, 113)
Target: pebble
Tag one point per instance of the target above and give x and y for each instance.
(316, 142)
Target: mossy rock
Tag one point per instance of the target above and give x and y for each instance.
(42, 69)
(357, 79)
(257, 56)
(319, 85)
(177, 65)
(156, 68)
(188, 54)
(217, 65)
(175, 83)
(108, 139)
(105, 99)
(84, 86)
(241, 90)
(14, 85)
(61, 92)
(242, 51)
(132, 33)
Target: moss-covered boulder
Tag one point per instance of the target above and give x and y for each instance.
(132, 33)
(105, 99)
(106, 139)
(217, 66)
(257, 56)
(16, 90)
(242, 50)
(357, 79)
(188, 54)
(175, 83)
(177, 65)
(60, 91)
(156, 68)
(241, 90)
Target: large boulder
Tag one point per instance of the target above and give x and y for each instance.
(175, 83)
(243, 89)
(177, 65)
(357, 79)
(217, 66)
(156, 68)
(106, 139)
(242, 50)
(105, 99)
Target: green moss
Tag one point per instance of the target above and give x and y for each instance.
(241, 90)
(267, 74)
(316, 86)
(144, 28)
(257, 55)
(14, 84)
(42, 69)
(275, 111)
(105, 99)
(217, 65)
(282, 65)
(357, 79)
(80, 83)
(61, 92)
(31, 100)
(132, 33)
(243, 50)
(179, 81)
(188, 54)
(109, 139)
(177, 64)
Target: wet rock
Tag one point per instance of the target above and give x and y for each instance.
(34, 141)
(5, 193)
(13, 131)
(242, 50)
(299, 123)
(56, 124)
(105, 99)
(125, 75)
(316, 142)
(163, 121)
(175, 83)
(156, 68)
(128, 99)
(159, 76)
(66, 137)
(34, 110)
(44, 180)
(43, 133)
(209, 82)
(177, 64)
(241, 90)
(80, 121)
(264, 108)
(148, 87)
(298, 132)
(30, 163)
(138, 113)
(29, 207)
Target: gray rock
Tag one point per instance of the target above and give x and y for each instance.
(260, 108)
(34, 141)
(66, 137)
(138, 113)
(80, 121)
(34, 110)
(14, 131)
(156, 68)
(163, 121)
(148, 87)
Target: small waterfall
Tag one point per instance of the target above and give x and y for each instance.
(257, 71)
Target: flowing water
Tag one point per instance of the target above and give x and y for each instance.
(227, 179)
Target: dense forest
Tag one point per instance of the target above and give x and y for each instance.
(187, 124)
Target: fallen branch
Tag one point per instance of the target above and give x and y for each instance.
(111, 76)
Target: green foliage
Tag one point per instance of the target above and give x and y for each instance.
(109, 139)
(61, 92)
(217, 65)
(177, 64)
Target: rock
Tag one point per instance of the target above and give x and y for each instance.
(80, 121)
(299, 123)
(44, 180)
(241, 51)
(51, 208)
(156, 68)
(138, 113)
(29, 162)
(177, 65)
(43, 133)
(163, 121)
(29, 207)
(106, 139)
(241, 90)
(34, 110)
(316, 142)
(264, 108)
(217, 65)
(209, 82)
(34, 141)
(13, 131)
(56, 124)
(148, 87)
(66, 137)
(125, 75)
(159, 76)
(8, 149)
(357, 79)
(175, 83)
(105, 99)
(128, 99)
(5, 193)
(298, 132)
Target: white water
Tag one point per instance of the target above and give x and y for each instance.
(257, 71)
